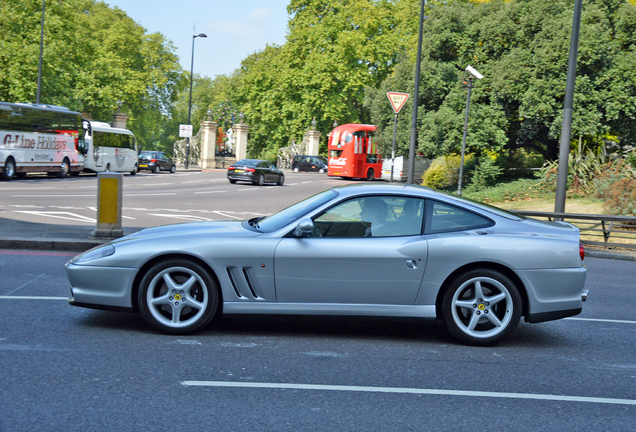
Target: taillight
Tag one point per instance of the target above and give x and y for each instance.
(230, 168)
(582, 251)
(250, 170)
(153, 161)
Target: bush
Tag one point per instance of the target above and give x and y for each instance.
(485, 174)
(620, 198)
(444, 171)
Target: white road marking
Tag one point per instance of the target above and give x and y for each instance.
(402, 390)
(602, 320)
(184, 217)
(59, 215)
(151, 194)
(310, 181)
(192, 182)
(227, 215)
(3, 297)
(50, 196)
(208, 192)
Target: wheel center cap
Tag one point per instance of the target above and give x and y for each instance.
(481, 306)
(177, 297)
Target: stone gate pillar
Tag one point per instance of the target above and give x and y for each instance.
(208, 144)
(119, 120)
(241, 140)
(313, 142)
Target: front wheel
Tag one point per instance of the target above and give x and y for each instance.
(108, 167)
(281, 180)
(178, 297)
(173, 169)
(481, 307)
(135, 170)
(9, 169)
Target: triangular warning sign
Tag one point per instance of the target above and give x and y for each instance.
(397, 100)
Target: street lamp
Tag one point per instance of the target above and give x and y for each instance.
(37, 95)
(468, 82)
(416, 98)
(187, 158)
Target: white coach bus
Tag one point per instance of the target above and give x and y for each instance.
(40, 138)
(109, 148)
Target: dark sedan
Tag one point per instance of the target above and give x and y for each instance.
(255, 171)
(155, 161)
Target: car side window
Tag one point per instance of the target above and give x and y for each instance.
(372, 216)
(441, 217)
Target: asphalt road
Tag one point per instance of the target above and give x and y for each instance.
(155, 199)
(72, 369)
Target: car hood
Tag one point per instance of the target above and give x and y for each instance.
(225, 228)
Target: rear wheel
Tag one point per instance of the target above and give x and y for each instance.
(232, 181)
(261, 180)
(178, 297)
(9, 169)
(135, 170)
(108, 167)
(65, 168)
(481, 307)
(370, 174)
(157, 169)
(296, 169)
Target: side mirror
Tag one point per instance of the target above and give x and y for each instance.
(304, 228)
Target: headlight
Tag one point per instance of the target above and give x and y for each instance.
(95, 253)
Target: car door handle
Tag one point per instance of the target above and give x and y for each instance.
(412, 264)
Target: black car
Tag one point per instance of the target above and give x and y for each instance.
(255, 171)
(309, 163)
(155, 161)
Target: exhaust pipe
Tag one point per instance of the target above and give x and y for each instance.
(584, 295)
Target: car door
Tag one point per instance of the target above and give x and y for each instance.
(344, 262)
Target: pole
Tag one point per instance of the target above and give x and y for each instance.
(187, 158)
(37, 95)
(461, 163)
(416, 98)
(393, 149)
(566, 129)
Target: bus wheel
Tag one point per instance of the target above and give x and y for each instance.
(9, 170)
(370, 174)
(65, 168)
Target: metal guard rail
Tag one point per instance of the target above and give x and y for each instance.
(618, 228)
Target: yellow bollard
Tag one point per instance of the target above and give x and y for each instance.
(110, 188)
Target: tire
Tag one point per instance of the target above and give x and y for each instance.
(9, 169)
(321, 170)
(65, 169)
(173, 169)
(261, 180)
(232, 181)
(296, 169)
(162, 292)
(157, 169)
(370, 174)
(135, 170)
(481, 307)
(281, 180)
(108, 167)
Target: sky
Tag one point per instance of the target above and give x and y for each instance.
(234, 29)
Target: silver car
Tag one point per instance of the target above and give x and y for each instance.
(368, 250)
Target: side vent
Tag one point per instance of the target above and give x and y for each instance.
(229, 275)
(242, 284)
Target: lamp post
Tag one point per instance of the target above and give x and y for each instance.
(472, 73)
(37, 95)
(416, 98)
(187, 158)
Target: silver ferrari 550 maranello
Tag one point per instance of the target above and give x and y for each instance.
(374, 250)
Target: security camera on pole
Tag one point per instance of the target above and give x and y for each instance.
(397, 102)
(468, 82)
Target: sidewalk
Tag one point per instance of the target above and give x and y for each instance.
(15, 234)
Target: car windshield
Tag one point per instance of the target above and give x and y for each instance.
(247, 162)
(501, 212)
(292, 213)
(146, 154)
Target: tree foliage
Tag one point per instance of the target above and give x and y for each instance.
(521, 47)
(93, 57)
